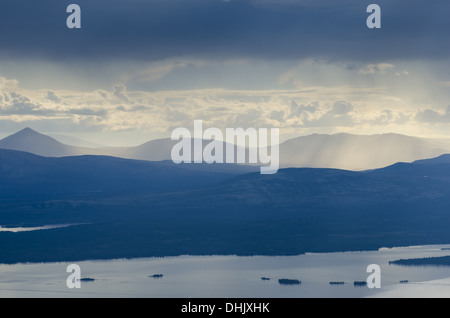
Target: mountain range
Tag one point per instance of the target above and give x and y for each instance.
(339, 151)
(128, 208)
(25, 175)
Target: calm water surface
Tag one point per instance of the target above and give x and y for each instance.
(233, 276)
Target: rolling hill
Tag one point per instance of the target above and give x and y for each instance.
(24, 175)
(339, 151)
(139, 214)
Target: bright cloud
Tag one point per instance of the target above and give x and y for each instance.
(312, 109)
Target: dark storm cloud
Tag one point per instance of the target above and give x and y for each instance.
(157, 29)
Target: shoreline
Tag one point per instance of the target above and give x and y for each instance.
(443, 247)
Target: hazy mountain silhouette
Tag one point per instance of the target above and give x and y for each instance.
(74, 141)
(31, 141)
(340, 151)
(155, 150)
(356, 152)
(28, 140)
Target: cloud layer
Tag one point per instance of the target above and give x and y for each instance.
(303, 66)
(217, 29)
(296, 112)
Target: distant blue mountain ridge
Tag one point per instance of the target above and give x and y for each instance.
(338, 151)
(136, 208)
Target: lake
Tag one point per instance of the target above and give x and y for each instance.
(37, 228)
(233, 276)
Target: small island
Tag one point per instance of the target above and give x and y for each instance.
(285, 281)
(157, 276)
(404, 282)
(337, 283)
(265, 278)
(360, 284)
(87, 279)
(427, 261)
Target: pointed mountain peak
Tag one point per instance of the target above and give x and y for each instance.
(27, 131)
(29, 140)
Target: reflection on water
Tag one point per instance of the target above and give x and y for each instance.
(37, 228)
(232, 276)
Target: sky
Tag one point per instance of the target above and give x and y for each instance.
(138, 69)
